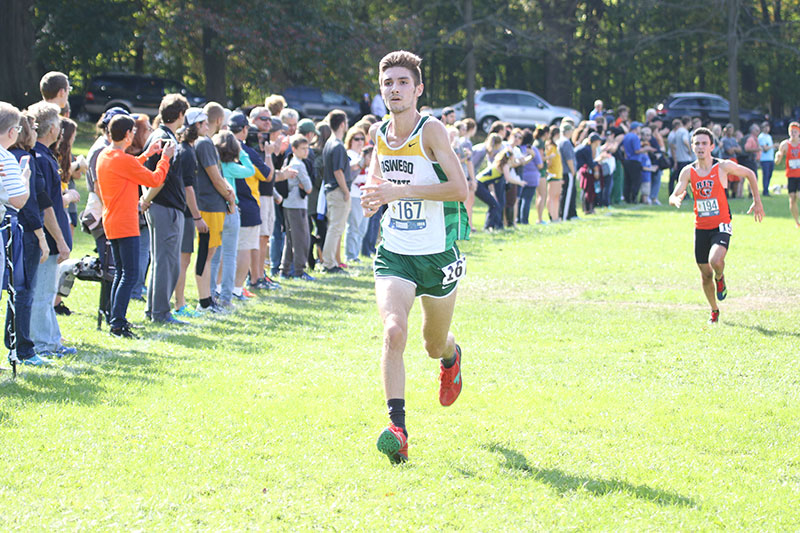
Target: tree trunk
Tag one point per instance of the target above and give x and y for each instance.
(733, 60)
(138, 62)
(18, 83)
(214, 66)
(470, 60)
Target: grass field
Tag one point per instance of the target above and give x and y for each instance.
(595, 398)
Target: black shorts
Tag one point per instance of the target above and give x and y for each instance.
(794, 184)
(704, 239)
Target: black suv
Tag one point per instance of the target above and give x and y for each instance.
(316, 103)
(709, 107)
(137, 94)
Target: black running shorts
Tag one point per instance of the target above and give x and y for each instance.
(794, 184)
(704, 239)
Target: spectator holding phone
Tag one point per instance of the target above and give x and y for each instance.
(164, 210)
(119, 176)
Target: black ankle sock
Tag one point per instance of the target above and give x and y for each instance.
(447, 363)
(397, 413)
(205, 303)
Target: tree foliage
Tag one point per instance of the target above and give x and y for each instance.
(569, 51)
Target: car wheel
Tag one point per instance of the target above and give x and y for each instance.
(556, 121)
(486, 123)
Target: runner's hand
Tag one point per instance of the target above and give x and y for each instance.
(757, 209)
(677, 199)
(375, 195)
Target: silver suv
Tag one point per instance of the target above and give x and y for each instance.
(521, 108)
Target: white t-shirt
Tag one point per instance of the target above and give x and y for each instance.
(360, 179)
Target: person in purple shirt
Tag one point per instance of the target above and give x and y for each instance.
(530, 175)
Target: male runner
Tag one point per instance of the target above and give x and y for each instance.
(709, 180)
(791, 149)
(415, 171)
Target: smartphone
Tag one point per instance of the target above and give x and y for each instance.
(25, 162)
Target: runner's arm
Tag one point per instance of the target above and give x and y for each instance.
(679, 193)
(781, 152)
(729, 167)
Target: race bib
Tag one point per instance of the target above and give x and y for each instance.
(794, 164)
(725, 228)
(407, 215)
(455, 271)
(707, 208)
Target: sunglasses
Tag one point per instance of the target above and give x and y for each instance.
(18, 128)
(358, 138)
(264, 118)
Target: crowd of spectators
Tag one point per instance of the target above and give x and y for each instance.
(257, 195)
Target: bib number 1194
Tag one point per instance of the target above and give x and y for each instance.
(455, 271)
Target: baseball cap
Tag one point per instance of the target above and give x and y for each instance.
(195, 115)
(594, 137)
(237, 121)
(635, 125)
(113, 112)
(277, 125)
(448, 110)
(306, 126)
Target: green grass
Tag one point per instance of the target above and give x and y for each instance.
(595, 398)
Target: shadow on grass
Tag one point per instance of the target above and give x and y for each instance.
(764, 331)
(564, 482)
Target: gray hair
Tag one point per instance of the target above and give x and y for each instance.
(289, 113)
(9, 117)
(46, 116)
(257, 110)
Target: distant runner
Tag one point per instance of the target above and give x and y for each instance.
(712, 234)
(791, 149)
(415, 172)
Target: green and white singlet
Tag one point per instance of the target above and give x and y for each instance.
(411, 226)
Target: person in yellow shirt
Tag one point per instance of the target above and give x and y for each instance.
(555, 171)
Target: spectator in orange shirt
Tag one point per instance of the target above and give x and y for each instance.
(119, 175)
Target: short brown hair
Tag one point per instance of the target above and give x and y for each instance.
(298, 139)
(336, 118)
(214, 111)
(119, 127)
(275, 103)
(227, 145)
(470, 124)
(402, 58)
(703, 131)
(172, 105)
(51, 83)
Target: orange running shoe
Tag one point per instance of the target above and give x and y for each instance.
(393, 442)
(247, 294)
(450, 380)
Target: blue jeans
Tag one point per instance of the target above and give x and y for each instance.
(45, 333)
(525, 200)
(655, 185)
(371, 235)
(494, 218)
(276, 241)
(139, 288)
(126, 275)
(356, 228)
(31, 253)
(766, 174)
(227, 254)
